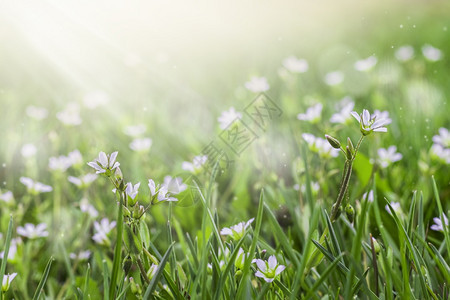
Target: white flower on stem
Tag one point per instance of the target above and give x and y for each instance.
(240, 259)
(141, 145)
(438, 226)
(344, 115)
(135, 130)
(102, 230)
(295, 65)
(228, 117)
(70, 115)
(196, 164)
(312, 114)
(131, 190)
(388, 156)
(159, 193)
(83, 181)
(174, 185)
(257, 84)
(35, 187)
(32, 231)
(268, 270)
(37, 113)
(237, 231)
(105, 163)
(396, 206)
(369, 123)
(431, 53)
(82, 255)
(94, 99)
(404, 53)
(443, 138)
(440, 153)
(365, 64)
(369, 198)
(6, 282)
(6, 196)
(88, 208)
(320, 146)
(28, 150)
(334, 78)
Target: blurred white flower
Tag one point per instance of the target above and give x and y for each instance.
(75, 157)
(82, 255)
(313, 114)
(228, 117)
(366, 64)
(174, 185)
(257, 84)
(6, 196)
(388, 156)
(370, 197)
(334, 78)
(132, 190)
(104, 163)
(152, 271)
(60, 163)
(314, 187)
(28, 150)
(94, 99)
(438, 226)
(6, 282)
(320, 146)
(35, 187)
(135, 130)
(268, 270)
(12, 249)
(395, 205)
(88, 208)
(295, 65)
(83, 181)
(370, 123)
(404, 53)
(237, 231)
(443, 138)
(141, 145)
(196, 164)
(70, 115)
(344, 115)
(159, 193)
(431, 53)
(440, 153)
(102, 230)
(37, 113)
(32, 231)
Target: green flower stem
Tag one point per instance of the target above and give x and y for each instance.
(142, 269)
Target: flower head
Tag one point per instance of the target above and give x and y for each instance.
(388, 156)
(344, 115)
(438, 226)
(404, 53)
(366, 64)
(295, 65)
(228, 117)
(83, 181)
(268, 270)
(35, 187)
(101, 231)
(334, 78)
(82, 255)
(135, 130)
(7, 196)
(395, 205)
(369, 197)
(32, 231)
(7, 279)
(257, 84)
(431, 53)
(196, 164)
(88, 208)
(141, 145)
(104, 164)
(440, 153)
(320, 146)
(369, 123)
(443, 138)
(237, 231)
(132, 191)
(240, 259)
(159, 193)
(28, 150)
(312, 113)
(174, 185)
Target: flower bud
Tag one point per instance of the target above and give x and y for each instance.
(333, 141)
(126, 264)
(376, 245)
(350, 212)
(135, 288)
(348, 152)
(118, 179)
(350, 146)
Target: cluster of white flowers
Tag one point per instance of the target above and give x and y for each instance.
(441, 147)
(35, 187)
(320, 146)
(102, 230)
(32, 231)
(388, 156)
(62, 163)
(406, 53)
(237, 231)
(228, 117)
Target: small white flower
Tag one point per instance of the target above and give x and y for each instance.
(314, 187)
(141, 145)
(237, 231)
(404, 53)
(75, 157)
(438, 226)
(431, 53)
(295, 65)
(268, 270)
(370, 197)
(135, 130)
(366, 64)
(443, 138)
(83, 181)
(196, 164)
(70, 115)
(159, 194)
(7, 196)
(370, 123)
(88, 208)
(82, 255)
(37, 113)
(94, 99)
(395, 205)
(388, 156)
(32, 231)
(28, 150)
(334, 78)
(6, 282)
(257, 84)
(174, 185)
(344, 115)
(312, 114)
(440, 153)
(60, 163)
(12, 249)
(131, 190)
(240, 259)
(105, 163)
(102, 230)
(35, 187)
(228, 117)
(320, 146)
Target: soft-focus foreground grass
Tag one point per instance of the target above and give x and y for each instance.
(412, 261)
